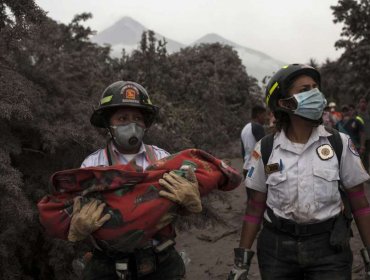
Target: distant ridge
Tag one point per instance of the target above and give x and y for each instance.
(258, 64)
(213, 38)
(125, 30)
(126, 34)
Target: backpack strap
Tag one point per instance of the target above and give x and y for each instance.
(336, 142)
(267, 143)
(243, 150)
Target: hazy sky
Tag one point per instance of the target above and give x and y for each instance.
(288, 30)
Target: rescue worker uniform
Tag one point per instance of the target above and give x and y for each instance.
(303, 202)
(250, 135)
(146, 155)
(102, 266)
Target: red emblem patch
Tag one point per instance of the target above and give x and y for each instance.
(256, 155)
(130, 93)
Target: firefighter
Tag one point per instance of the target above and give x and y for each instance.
(126, 111)
(294, 191)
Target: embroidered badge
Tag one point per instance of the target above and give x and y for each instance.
(272, 168)
(352, 147)
(325, 152)
(130, 94)
(256, 155)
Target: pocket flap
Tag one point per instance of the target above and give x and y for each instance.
(276, 178)
(327, 174)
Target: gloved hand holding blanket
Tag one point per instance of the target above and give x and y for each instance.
(131, 202)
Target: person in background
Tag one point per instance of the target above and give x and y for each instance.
(293, 189)
(353, 126)
(363, 113)
(252, 133)
(327, 118)
(336, 116)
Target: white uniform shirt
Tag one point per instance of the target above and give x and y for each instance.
(99, 158)
(249, 140)
(305, 189)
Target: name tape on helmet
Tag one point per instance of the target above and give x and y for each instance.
(272, 89)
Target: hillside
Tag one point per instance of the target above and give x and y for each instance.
(126, 33)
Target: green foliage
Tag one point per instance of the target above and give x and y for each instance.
(348, 78)
(51, 76)
(198, 88)
(354, 14)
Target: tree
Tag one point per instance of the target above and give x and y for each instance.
(209, 88)
(50, 75)
(354, 64)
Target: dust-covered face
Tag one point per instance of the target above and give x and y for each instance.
(127, 115)
(127, 127)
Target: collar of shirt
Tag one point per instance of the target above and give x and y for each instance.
(119, 155)
(282, 140)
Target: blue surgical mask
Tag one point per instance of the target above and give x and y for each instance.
(310, 104)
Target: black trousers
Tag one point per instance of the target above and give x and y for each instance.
(103, 268)
(282, 256)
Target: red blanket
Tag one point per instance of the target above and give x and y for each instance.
(131, 197)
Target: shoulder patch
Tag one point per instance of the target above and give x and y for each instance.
(352, 147)
(256, 155)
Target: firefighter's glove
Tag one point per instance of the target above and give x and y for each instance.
(183, 191)
(86, 220)
(242, 262)
(365, 253)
